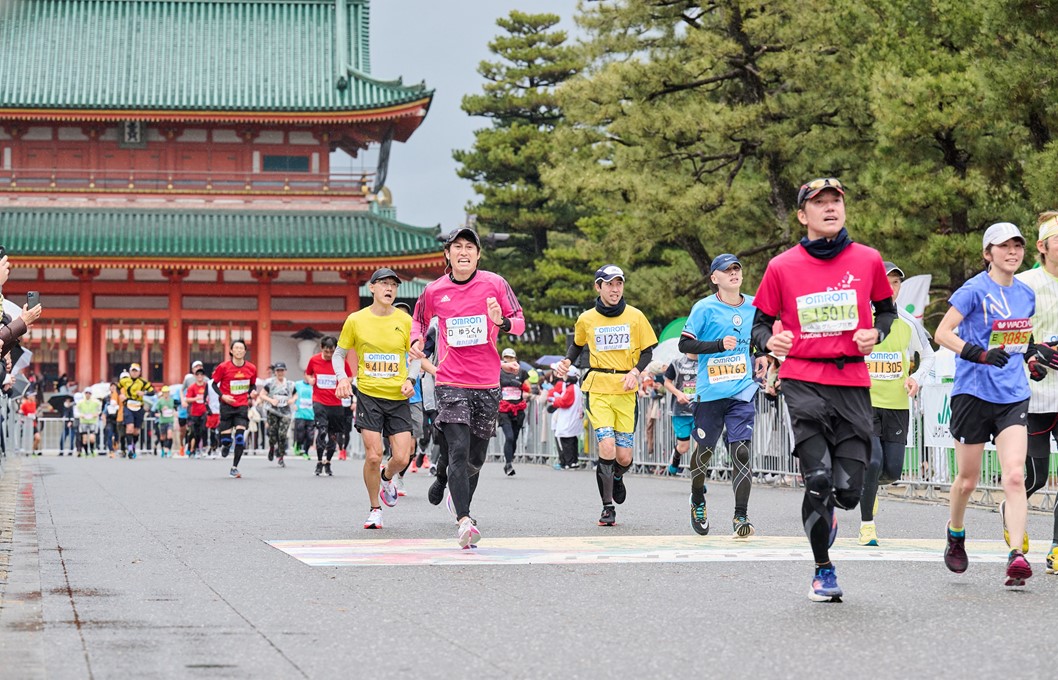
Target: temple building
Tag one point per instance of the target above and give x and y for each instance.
(166, 180)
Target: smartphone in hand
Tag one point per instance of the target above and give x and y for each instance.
(32, 299)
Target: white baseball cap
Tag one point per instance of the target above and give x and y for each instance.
(1001, 232)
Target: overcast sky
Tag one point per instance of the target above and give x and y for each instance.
(441, 42)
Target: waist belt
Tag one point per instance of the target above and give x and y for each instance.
(611, 371)
(838, 361)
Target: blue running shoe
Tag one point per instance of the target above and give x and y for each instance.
(673, 470)
(825, 586)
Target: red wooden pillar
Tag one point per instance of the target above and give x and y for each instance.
(262, 354)
(176, 364)
(353, 281)
(86, 375)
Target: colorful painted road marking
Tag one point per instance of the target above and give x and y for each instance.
(613, 550)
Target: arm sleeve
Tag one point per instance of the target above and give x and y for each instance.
(761, 331)
(884, 316)
(645, 358)
(689, 345)
(338, 362)
(573, 352)
(670, 372)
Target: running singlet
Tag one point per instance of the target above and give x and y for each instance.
(304, 403)
(728, 373)
(824, 303)
(994, 315)
(236, 381)
(889, 365)
(326, 381)
(614, 344)
(683, 373)
(194, 390)
(466, 337)
(1045, 328)
(381, 346)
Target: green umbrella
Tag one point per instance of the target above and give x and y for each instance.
(673, 330)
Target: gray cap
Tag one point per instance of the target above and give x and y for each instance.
(1001, 232)
(280, 366)
(890, 268)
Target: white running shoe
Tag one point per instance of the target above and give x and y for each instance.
(399, 483)
(374, 519)
(388, 493)
(468, 533)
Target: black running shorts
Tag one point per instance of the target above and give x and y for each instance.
(837, 412)
(890, 425)
(976, 421)
(388, 416)
(480, 409)
(233, 417)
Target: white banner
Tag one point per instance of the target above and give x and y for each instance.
(914, 295)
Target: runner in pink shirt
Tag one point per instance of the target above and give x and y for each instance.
(472, 308)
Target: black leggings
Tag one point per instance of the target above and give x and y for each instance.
(466, 455)
(886, 466)
(511, 424)
(831, 480)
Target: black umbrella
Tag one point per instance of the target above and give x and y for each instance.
(57, 401)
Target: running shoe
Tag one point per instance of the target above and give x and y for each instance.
(1018, 569)
(374, 519)
(833, 527)
(468, 533)
(436, 493)
(825, 586)
(319, 469)
(282, 464)
(508, 469)
(271, 455)
(1052, 560)
(234, 473)
(620, 493)
(342, 455)
(609, 516)
(387, 492)
(741, 527)
(327, 470)
(426, 463)
(699, 519)
(1006, 534)
(672, 470)
(413, 468)
(955, 553)
(399, 483)
(868, 534)
(450, 506)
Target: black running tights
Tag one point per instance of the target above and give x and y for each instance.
(886, 466)
(830, 481)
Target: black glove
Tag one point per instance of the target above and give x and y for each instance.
(997, 357)
(1047, 355)
(1037, 371)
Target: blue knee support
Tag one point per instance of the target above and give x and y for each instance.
(624, 439)
(240, 439)
(602, 433)
(225, 440)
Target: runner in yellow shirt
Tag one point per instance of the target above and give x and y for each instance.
(620, 343)
(379, 336)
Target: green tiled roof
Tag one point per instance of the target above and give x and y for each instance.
(219, 234)
(199, 55)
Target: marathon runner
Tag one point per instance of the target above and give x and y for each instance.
(990, 398)
(233, 381)
(279, 394)
(380, 337)
(327, 407)
(195, 398)
(892, 386)
(87, 411)
(133, 389)
(472, 307)
(166, 415)
(821, 290)
(718, 331)
(1043, 405)
(304, 417)
(514, 385)
(620, 344)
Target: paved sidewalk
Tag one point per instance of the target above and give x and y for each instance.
(164, 569)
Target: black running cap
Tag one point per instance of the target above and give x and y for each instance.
(384, 273)
(467, 233)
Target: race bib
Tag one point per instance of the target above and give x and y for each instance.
(347, 402)
(133, 405)
(305, 403)
(381, 365)
(167, 413)
(327, 382)
(1011, 334)
(512, 393)
(112, 408)
(467, 331)
(690, 385)
(726, 369)
(886, 365)
(239, 386)
(830, 312)
(613, 338)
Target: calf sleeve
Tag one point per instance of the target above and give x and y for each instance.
(604, 473)
(742, 477)
(700, 456)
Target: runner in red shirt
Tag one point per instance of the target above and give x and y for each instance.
(823, 290)
(233, 380)
(195, 400)
(330, 415)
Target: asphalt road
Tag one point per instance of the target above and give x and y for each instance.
(163, 569)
